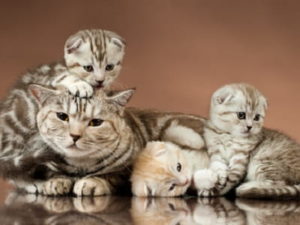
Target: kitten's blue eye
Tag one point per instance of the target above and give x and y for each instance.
(109, 67)
(241, 115)
(95, 122)
(179, 167)
(257, 117)
(88, 68)
(172, 187)
(62, 116)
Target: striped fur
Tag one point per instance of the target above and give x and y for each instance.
(274, 169)
(228, 139)
(101, 50)
(43, 156)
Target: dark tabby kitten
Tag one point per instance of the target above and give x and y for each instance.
(84, 146)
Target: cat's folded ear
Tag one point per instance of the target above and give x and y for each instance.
(264, 102)
(121, 98)
(73, 43)
(222, 96)
(40, 93)
(156, 148)
(117, 40)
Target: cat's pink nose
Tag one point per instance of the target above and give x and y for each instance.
(186, 182)
(75, 137)
(99, 84)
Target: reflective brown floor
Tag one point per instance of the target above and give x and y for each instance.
(33, 210)
(178, 53)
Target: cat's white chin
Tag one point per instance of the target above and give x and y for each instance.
(75, 152)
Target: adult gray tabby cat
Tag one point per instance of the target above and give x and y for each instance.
(84, 146)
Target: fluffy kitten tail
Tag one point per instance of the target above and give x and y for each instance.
(262, 190)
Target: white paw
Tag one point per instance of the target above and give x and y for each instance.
(205, 179)
(81, 89)
(91, 186)
(57, 186)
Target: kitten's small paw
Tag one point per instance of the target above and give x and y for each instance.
(57, 186)
(205, 179)
(91, 186)
(222, 179)
(206, 193)
(81, 89)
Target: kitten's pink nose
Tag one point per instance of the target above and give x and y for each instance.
(186, 182)
(75, 137)
(99, 84)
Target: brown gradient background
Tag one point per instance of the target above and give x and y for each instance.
(178, 52)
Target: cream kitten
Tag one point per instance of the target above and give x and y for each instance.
(164, 169)
(233, 130)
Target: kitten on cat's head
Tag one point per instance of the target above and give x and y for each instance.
(238, 109)
(95, 56)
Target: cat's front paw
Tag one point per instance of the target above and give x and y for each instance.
(205, 179)
(81, 89)
(92, 186)
(56, 186)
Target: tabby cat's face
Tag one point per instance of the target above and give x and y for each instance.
(161, 170)
(95, 56)
(238, 109)
(81, 127)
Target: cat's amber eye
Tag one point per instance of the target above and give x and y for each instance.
(241, 115)
(88, 68)
(109, 67)
(179, 167)
(172, 187)
(95, 122)
(62, 116)
(257, 117)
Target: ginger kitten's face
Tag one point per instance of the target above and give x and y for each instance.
(95, 56)
(238, 109)
(81, 127)
(161, 170)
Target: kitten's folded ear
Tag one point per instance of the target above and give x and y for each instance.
(73, 43)
(117, 39)
(222, 96)
(121, 98)
(40, 93)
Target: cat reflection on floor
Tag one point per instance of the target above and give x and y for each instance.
(111, 210)
(40, 210)
(177, 211)
(270, 212)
